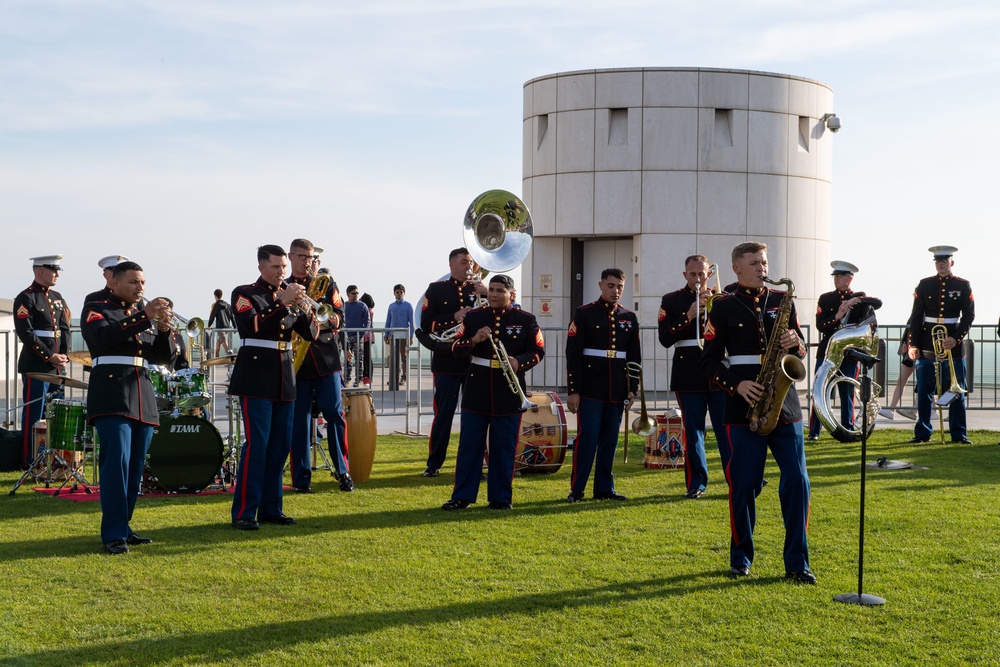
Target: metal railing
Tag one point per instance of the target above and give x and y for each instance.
(413, 400)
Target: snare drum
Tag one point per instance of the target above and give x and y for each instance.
(665, 447)
(361, 431)
(185, 454)
(188, 389)
(541, 442)
(160, 377)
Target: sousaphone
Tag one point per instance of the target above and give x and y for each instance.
(498, 231)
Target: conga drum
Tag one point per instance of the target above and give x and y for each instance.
(541, 442)
(665, 447)
(361, 430)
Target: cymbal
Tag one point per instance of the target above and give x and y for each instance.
(220, 361)
(80, 357)
(64, 380)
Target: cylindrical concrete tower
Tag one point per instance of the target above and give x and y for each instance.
(639, 168)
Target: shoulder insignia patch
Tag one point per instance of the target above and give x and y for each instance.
(709, 331)
(93, 315)
(661, 315)
(539, 340)
(572, 328)
(22, 312)
(242, 304)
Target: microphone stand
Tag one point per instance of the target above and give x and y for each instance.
(866, 361)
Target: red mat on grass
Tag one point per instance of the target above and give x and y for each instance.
(81, 495)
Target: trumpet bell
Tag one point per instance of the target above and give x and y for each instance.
(324, 313)
(497, 230)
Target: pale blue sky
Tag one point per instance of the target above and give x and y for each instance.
(186, 133)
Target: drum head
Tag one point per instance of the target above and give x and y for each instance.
(185, 454)
(541, 443)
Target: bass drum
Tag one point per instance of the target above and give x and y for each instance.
(185, 455)
(541, 443)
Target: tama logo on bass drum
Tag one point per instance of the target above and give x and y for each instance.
(185, 428)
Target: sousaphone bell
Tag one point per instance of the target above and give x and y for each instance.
(497, 230)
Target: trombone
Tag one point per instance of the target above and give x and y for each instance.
(713, 270)
(643, 425)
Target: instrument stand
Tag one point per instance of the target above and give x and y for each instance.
(235, 442)
(314, 442)
(862, 598)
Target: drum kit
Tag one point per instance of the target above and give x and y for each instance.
(187, 453)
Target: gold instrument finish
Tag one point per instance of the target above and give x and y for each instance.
(713, 270)
(509, 373)
(317, 290)
(939, 333)
(643, 425)
(778, 370)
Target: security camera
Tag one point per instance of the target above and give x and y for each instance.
(832, 122)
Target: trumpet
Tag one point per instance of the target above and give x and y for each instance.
(510, 374)
(193, 328)
(643, 425)
(322, 311)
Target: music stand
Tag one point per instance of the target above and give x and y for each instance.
(866, 361)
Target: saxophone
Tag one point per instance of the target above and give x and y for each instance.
(300, 346)
(778, 370)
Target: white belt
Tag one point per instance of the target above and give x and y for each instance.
(47, 334)
(691, 342)
(269, 344)
(608, 354)
(941, 320)
(121, 361)
(489, 363)
(744, 360)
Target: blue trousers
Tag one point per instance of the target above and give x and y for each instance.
(326, 390)
(694, 405)
(597, 424)
(446, 390)
(124, 443)
(745, 472)
(846, 392)
(926, 387)
(31, 390)
(503, 432)
(268, 429)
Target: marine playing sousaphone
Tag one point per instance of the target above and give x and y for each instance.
(862, 336)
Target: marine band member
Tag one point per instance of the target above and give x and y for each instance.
(446, 302)
(41, 322)
(265, 382)
(696, 396)
(835, 310)
(107, 265)
(602, 338)
(488, 403)
(943, 299)
(318, 379)
(741, 324)
(124, 341)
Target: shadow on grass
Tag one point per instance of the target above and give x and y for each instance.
(241, 644)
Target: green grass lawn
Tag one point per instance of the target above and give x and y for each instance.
(383, 576)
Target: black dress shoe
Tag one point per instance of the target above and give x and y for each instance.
(246, 524)
(116, 547)
(803, 577)
(455, 504)
(695, 493)
(611, 495)
(501, 506)
(812, 438)
(346, 483)
(963, 441)
(135, 539)
(303, 489)
(739, 571)
(918, 441)
(574, 497)
(281, 520)
(430, 472)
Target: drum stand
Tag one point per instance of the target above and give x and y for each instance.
(314, 442)
(235, 443)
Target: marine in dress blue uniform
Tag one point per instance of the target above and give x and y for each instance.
(741, 325)
(265, 382)
(602, 338)
(123, 341)
(107, 265)
(444, 306)
(488, 403)
(319, 380)
(947, 300)
(41, 322)
(835, 310)
(678, 328)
